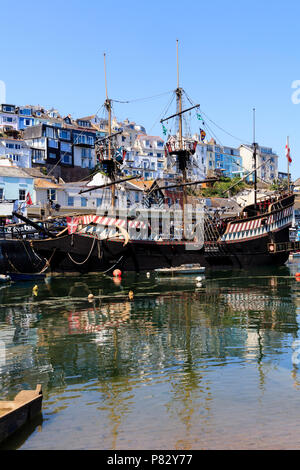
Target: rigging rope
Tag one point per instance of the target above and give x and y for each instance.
(143, 99)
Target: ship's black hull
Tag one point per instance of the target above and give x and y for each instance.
(17, 256)
(77, 253)
(248, 253)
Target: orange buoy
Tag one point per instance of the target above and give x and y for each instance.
(297, 275)
(117, 273)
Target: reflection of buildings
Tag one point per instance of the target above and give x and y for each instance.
(165, 339)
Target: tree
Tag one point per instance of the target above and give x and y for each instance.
(225, 188)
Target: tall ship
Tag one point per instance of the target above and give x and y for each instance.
(258, 235)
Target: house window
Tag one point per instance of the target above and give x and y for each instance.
(64, 134)
(51, 194)
(83, 202)
(52, 155)
(79, 139)
(99, 201)
(85, 152)
(25, 112)
(8, 109)
(53, 143)
(38, 155)
(65, 147)
(22, 194)
(1, 193)
(67, 159)
(49, 132)
(70, 201)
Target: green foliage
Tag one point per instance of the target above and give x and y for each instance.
(278, 185)
(220, 188)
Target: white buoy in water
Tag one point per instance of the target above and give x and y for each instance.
(199, 278)
(148, 275)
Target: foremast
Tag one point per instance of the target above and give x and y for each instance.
(107, 105)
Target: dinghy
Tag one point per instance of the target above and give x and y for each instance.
(16, 413)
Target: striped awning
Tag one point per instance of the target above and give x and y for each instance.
(86, 220)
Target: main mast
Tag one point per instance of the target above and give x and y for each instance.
(107, 105)
(179, 112)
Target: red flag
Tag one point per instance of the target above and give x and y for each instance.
(28, 200)
(72, 224)
(287, 152)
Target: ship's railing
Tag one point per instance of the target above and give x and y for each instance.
(283, 247)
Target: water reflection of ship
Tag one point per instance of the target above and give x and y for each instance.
(95, 319)
(168, 337)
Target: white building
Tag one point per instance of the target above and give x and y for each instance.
(8, 117)
(16, 151)
(266, 163)
(146, 157)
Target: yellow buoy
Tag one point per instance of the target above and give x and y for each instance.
(130, 295)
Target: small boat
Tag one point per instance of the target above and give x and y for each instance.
(4, 278)
(26, 276)
(183, 269)
(14, 414)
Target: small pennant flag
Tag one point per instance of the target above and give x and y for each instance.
(202, 134)
(164, 130)
(287, 152)
(119, 155)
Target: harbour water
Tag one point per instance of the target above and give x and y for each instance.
(182, 365)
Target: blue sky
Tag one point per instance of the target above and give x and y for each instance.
(233, 56)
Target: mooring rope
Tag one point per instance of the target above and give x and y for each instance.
(88, 256)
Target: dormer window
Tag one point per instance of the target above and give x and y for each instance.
(25, 112)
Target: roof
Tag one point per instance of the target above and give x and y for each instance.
(36, 173)
(13, 172)
(297, 182)
(87, 118)
(141, 184)
(149, 137)
(42, 183)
